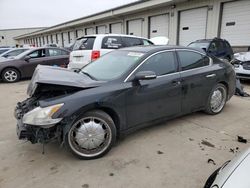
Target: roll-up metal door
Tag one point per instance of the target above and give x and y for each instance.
(101, 29)
(192, 25)
(116, 28)
(235, 23)
(89, 31)
(135, 27)
(159, 25)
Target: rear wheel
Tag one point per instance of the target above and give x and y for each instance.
(92, 135)
(10, 75)
(217, 99)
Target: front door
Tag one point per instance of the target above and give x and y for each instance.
(36, 57)
(157, 98)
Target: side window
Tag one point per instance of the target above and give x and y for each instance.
(55, 52)
(130, 41)
(85, 43)
(220, 45)
(14, 53)
(191, 60)
(111, 42)
(162, 63)
(64, 52)
(37, 53)
(213, 47)
(147, 42)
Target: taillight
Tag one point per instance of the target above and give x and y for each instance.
(95, 55)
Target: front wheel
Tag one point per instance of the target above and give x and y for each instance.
(217, 99)
(10, 75)
(92, 135)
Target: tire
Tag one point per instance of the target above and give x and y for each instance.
(211, 178)
(92, 135)
(217, 100)
(10, 75)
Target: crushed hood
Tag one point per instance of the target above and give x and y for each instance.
(57, 76)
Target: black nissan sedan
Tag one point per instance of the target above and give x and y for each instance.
(118, 93)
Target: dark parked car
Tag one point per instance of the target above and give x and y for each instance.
(122, 91)
(2, 50)
(217, 47)
(23, 65)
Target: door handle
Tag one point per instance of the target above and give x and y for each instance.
(176, 82)
(211, 75)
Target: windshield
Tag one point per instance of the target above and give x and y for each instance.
(201, 45)
(112, 65)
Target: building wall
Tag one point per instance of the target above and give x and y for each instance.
(9, 35)
(212, 29)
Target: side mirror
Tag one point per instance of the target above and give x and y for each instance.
(27, 58)
(145, 75)
(204, 49)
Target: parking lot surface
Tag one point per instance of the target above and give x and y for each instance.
(173, 154)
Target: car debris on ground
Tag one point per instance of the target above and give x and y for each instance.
(242, 140)
(240, 89)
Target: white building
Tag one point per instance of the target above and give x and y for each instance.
(182, 21)
(7, 35)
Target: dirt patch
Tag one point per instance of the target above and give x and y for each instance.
(120, 164)
(206, 143)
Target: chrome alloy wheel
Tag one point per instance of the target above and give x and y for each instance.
(10, 76)
(89, 137)
(218, 99)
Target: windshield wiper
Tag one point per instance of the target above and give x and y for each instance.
(92, 77)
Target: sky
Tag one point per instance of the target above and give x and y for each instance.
(45, 13)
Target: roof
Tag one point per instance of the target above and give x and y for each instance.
(111, 34)
(208, 40)
(153, 48)
(110, 13)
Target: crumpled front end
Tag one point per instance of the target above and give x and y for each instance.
(33, 133)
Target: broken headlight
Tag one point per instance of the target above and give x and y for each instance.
(42, 116)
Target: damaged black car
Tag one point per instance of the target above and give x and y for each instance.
(118, 93)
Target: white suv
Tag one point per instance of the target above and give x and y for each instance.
(91, 47)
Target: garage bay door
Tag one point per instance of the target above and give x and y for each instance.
(235, 24)
(159, 25)
(193, 25)
(116, 28)
(59, 38)
(135, 27)
(101, 29)
(65, 39)
(89, 31)
(79, 33)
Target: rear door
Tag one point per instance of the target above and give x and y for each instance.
(198, 79)
(56, 57)
(36, 57)
(157, 98)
